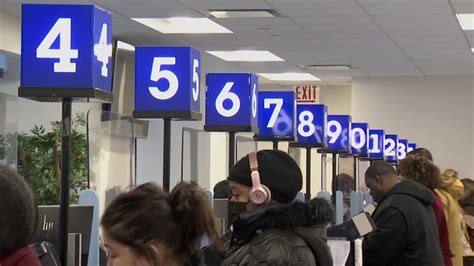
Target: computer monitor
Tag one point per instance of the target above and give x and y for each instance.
(80, 221)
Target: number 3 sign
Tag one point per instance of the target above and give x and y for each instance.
(167, 82)
(231, 102)
(66, 46)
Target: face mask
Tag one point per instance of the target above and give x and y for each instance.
(234, 209)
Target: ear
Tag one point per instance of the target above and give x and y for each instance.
(378, 181)
(157, 253)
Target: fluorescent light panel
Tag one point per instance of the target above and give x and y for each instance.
(246, 56)
(183, 25)
(472, 50)
(241, 14)
(289, 76)
(466, 21)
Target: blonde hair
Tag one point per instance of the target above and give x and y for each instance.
(450, 179)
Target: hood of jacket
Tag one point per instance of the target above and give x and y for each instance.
(281, 216)
(413, 189)
(455, 188)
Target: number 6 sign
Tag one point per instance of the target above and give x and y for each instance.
(231, 102)
(66, 46)
(167, 82)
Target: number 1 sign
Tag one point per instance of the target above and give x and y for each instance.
(66, 47)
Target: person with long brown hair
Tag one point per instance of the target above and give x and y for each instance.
(149, 227)
(421, 169)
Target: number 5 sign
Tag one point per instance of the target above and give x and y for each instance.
(65, 47)
(167, 82)
(231, 102)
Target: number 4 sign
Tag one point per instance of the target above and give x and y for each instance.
(66, 46)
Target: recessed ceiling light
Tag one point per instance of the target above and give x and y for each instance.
(183, 25)
(466, 21)
(241, 14)
(246, 56)
(326, 67)
(289, 76)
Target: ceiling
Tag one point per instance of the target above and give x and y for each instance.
(376, 37)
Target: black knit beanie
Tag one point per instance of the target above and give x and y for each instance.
(278, 171)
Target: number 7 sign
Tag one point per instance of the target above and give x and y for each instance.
(276, 111)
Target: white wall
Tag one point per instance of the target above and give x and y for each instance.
(434, 112)
(10, 33)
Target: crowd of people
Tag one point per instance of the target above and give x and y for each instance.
(423, 217)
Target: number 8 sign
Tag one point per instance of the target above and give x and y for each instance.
(231, 102)
(311, 124)
(66, 46)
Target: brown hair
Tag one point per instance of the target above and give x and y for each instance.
(148, 215)
(421, 170)
(17, 211)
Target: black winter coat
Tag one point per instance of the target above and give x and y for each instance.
(267, 236)
(407, 232)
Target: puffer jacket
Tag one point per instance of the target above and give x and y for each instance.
(273, 235)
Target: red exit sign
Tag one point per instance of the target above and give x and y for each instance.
(307, 94)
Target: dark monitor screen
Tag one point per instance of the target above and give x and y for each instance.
(80, 221)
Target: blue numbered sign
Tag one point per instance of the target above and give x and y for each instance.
(359, 138)
(411, 147)
(276, 111)
(391, 152)
(167, 79)
(231, 100)
(66, 46)
(402, 149)
(311, 124)
(376, 143)
(338, 132)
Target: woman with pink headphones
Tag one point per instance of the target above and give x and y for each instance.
(269, 228)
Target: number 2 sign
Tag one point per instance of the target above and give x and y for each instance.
(231, 102)
(66, 46)
(167, 80)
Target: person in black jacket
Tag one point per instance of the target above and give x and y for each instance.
(277, 231)
(406, 232)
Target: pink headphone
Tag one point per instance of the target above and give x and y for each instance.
(259, 194)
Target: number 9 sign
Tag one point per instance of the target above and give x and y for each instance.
(311, 124)
(338, 128)
(167, 79)
(231, 102)
(66, 46)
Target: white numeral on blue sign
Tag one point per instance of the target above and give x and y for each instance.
(226, 94)
(61, 29)
(254, 101)
(103, 51)
(334, 134)
(402, 151)
(358, 143)
(375, 143)
(391, 147)
(306, 121)
(195, 79)
(157, 74)
(278, 102)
